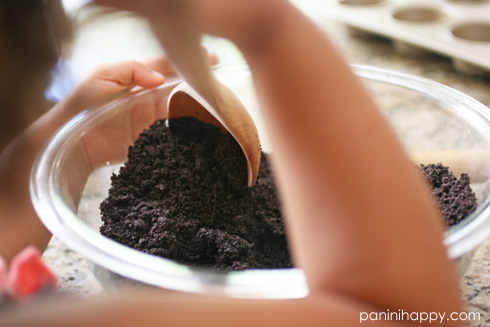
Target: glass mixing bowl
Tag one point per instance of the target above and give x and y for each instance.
(72, 176)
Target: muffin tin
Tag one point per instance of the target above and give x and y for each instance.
(458, 29)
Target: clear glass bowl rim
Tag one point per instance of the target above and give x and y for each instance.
(273, 283)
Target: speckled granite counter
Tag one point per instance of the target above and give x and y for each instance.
(75, 273)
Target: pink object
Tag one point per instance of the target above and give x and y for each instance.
(28, 274)
(3, 277)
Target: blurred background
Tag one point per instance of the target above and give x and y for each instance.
(103, 35)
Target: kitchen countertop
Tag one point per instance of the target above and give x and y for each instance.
(75, 273)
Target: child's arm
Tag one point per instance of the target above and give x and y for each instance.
(19, 223)
(157, 308)
(360, 220)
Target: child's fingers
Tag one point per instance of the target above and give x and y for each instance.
(160, 64)
(212, 58)
(144, 76)
(126, 73)
(163, 65)
(147, 73)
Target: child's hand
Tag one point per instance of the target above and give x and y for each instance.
(20, 225)
(108, 79)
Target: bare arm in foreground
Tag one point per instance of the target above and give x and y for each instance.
(362, 246)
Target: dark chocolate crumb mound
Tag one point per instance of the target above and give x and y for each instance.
(183, 195)
(455, 198)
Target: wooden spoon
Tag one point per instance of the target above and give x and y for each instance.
(204, 97)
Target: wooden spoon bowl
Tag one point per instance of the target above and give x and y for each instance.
(227, 112)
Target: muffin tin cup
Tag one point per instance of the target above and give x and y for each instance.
(457, 29)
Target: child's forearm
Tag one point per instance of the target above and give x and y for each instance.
(372, 232)
(20, 224)
(160, 308)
